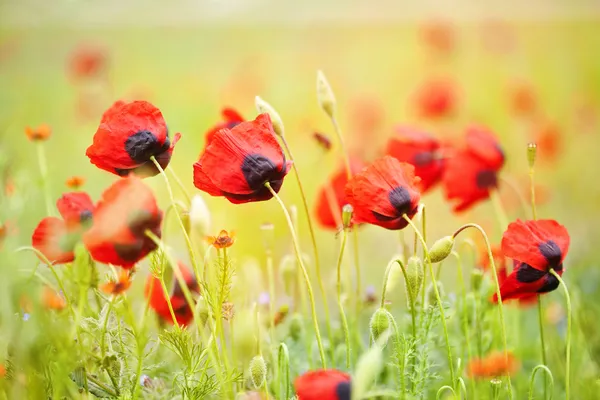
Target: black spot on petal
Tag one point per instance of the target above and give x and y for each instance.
(85, 216)
(143, 144)
(129, 252)
(343, 390)
(486, 179)
(551, 253)
(257, 170)
(232, 124)
(400, 199)
(527, 274)
(191, 283)
(550, 283)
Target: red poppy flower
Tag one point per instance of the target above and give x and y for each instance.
(239, 161)
(523, 100)
(383, 192)
(549, 143)
(494, 365)
(158, 297)
(87, 62)
(230, 119)
(325, 384)
(471, 172)
(420, 150)
(439, 36)
(128, 135)
(436, 99)
(536, 247)
(126, 210)
(56, 238)
(332, 197)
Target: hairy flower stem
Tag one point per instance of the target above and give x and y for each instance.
(41, 154)
(569, 318)
(498, 293)
(424, 287)
(339, 296)
(188, 241)
(104, 326)
(304, 273)
(437, 297)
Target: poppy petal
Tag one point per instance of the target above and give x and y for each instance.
(483, 143)
(75, 208)
(323, 385)
(52, 239)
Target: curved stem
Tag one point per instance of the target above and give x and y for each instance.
(437, 296)
(498, 293)
(569, 317)
(304, 273)
(339, 296)
(548, 373)
(443, 389)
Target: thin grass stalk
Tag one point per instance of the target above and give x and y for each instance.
(339, 296)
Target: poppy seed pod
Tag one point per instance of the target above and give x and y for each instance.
(263, 107)
(258, 371)
(380, 322)
(415, 275)
(325, 95)
(347, 211)
(441, 249)
(531, 154)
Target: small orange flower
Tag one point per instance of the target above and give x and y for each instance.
(42, 132)
(52, 300)
(2, 371)
(494, 365)
(75, 182)
(281, 314)
(223, 240)
(117, 287)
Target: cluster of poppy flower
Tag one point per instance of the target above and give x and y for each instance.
(244, 162)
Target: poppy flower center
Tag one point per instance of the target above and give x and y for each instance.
(138, 225)
(343, 390)
(143, 144)
(258, 170)
(400, 199)
(551, 253)
(486, 179)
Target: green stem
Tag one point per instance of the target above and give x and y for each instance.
(443, 389)
(411, 299)
(339, 296)
(104, 326)
(548, 373)
(304, 273)
(498, 293)
(44, 174)
(181, 185)
(283, 359)
(542, 340)
(569, 318)
(437, 296)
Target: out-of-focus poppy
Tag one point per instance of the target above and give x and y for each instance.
(240, 161)
(158, 298)
(87, 61)
(42, 132)
(223, 240)
(523, 100)
(494, 365)
(436, 99)
(332, 196)
(2, 371)
(324, 384)
(231, 118)
(128, 136)
(471, 172)
(56, 238)
(118, 235)
(75, 182)
(52, 300)
(322, 140)
(422, 151)
(383, 192)
(119, 285)
(438, 36)
(548, 139)
(536, 247)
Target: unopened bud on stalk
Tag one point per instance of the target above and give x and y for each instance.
(476, 278)
(258, 371)
(531, 154)
(347, 211)
(199, 216)
(325, 95)
(431, 297)
(415, 275)
(441, 249)
(380, 322)
(264, 107)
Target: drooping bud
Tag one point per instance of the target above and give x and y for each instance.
(380, 322)
(264, 107)
(347, 211)
(531, 154)
(441, 249)
(258, 371)
(476, 278)
(415, 274)
(199, 216)
(296, 327)
(431, 297)
(325, 95)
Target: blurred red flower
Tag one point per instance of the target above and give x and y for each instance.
(128, 136)
(438, 36)
(383, 192)
(87, 61)
(238, 162)
(549, 144)
(118, 234)
(325, 384)
(494, 365)
(436, 98)
(231, 118)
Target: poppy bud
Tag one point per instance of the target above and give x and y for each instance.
(325, 95)
(431, 298)
(296, 327)
(199, 215)
(347, 211)
(414, 276)
(380, 322)
(264, 107)
(258, 371)
(476, 278)
(531, 153)
(441, 249)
